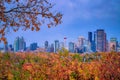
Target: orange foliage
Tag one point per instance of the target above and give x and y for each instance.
(30, 66)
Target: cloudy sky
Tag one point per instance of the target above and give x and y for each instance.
(79, 17)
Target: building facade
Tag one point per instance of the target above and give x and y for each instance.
(71, 47)
(57, 45)
(90, 37)
(46, 44)
(113, 44)
(19, 44)
(33, 46)
(52, 48)
(100, 39)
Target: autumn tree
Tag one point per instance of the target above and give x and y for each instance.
(26, 14)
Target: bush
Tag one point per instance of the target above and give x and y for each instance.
(62, 66)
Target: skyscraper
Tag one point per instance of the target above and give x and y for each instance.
(52, 48)
(81, 41)
(118, 48)
(107, 46)
(16, 44)
(71, 47)
(91, 42)
(93, 46)
(46, 44)
(87, 46)
(33, 46)
(76, 48)
(22, 44)
(95, 37)
(113, 44)
(61, 45)
(19, 44)
(100, 40)
(90, 37)
(94, 42)
(56, 45)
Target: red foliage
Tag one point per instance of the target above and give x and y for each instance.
(56, 67)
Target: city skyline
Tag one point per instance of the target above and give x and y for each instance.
(41, 44)
(79, 17)
(96, 42)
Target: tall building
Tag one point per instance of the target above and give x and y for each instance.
(76, 48)
(61, 45)
(107, 46)
(90, 37)
(105, 42)
(71, 47)
(33, 46)
(93, 46)
(95, 39)
(19, 44)
(16, 44)
(80, 41)
(100, 38)
(87, 46)
(25, 45)
(52, 48)
(22, 44)
(46, 44)
(113, 44)
(91, 42)
(118, 48)
(56, 46)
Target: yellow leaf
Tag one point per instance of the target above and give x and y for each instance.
(96, 78)
(10, 76)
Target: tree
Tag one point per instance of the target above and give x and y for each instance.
(26, 14)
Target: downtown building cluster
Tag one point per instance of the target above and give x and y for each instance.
(96, 42)
(18, 45)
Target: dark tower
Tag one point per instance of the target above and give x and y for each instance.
(90, 37)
